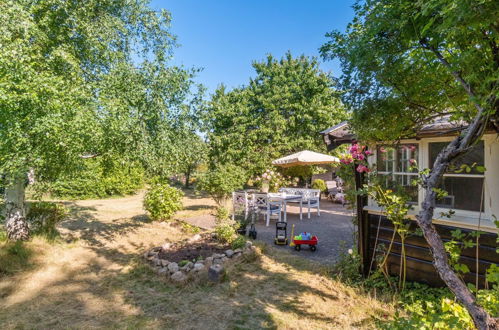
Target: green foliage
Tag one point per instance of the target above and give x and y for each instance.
(348, 265)
(221, 181)
(95, 180)
(238, 243)
(435, 308)
(280, 111)
(225, 227)
(44, 216)
(162, 201)
(391, 67)
(319, 184)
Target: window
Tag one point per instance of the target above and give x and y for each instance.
(394, 167)
(464, 189)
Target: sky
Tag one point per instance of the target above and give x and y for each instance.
(223, 37)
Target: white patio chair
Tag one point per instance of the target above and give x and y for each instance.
(264, 205)
(312, 198)
(240, 203)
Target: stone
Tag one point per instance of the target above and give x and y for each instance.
(178, 276)
(164, 262)
(238, 250)
(237, 255)
(166, 246)
(217, 255)
(157, 261)
(229, 253)
(209, 259)
(249, 244)
(195, 238)
(156, 249)
(217, 261)
(224, 259)
(198, 267)
(163, 271)
(189, 265)
(215, 273)
(173, 267)
(200, 261)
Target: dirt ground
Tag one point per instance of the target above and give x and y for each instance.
(94, 278)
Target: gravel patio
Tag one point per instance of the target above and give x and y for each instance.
(333, 227)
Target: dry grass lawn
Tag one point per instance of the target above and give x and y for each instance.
(94, 278)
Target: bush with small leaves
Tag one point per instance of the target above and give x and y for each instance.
(239, 242)
(162, 201)
(221, 181)
(225, 227)
(319, 184)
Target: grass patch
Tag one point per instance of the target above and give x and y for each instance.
(14, 256)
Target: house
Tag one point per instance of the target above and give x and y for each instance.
(473, 196)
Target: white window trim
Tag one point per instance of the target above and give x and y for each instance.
(461, 218)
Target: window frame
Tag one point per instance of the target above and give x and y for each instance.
(394, 174)
(423, 162)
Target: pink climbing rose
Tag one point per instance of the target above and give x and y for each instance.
(362, 168)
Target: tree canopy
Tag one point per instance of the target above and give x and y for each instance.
(400, 60)
(88, 79)
(281, 111)
(408, 62)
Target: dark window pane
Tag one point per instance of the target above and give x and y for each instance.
(464, 193)
(475, 155)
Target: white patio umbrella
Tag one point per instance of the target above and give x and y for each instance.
(305, 157)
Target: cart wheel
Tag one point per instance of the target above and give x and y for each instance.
(313, 248)
(297, 247)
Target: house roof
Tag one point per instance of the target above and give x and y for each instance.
(441, 126)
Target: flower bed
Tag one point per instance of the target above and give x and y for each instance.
(200, 254)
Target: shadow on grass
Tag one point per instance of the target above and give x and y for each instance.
(251, 296)
(14, 257)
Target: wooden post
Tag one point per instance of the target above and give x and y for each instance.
(362, 224)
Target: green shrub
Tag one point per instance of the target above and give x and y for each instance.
(162, 201)
(239, 242)
(319, 184)
(220, 182)
(43, 217)
(97, 180)
(225, 227)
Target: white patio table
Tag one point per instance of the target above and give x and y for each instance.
(284, 198)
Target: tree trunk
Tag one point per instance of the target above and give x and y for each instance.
(480, 317)
(15, 218)
(187, 177)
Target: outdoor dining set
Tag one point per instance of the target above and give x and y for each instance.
(269, 204)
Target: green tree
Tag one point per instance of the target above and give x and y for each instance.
(82, 79)
(406, 63)
(281, 111)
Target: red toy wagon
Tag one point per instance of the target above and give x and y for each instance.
(312, 242)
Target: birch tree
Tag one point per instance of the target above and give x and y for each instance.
(81, 79)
